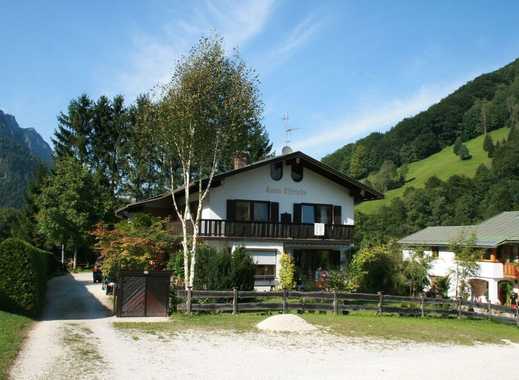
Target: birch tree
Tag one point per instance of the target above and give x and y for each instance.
(205, 111)
(466, 259)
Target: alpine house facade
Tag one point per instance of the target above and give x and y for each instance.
(290, 203)
(497, 277)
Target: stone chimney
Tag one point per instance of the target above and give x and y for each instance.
(239, 160)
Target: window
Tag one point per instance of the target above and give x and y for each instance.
(323, 214)
(242, 211)
(307, 214)
(312, 213)
(265, 270)
(435, 252)
(487, 254)
(276, 170)
(297, 172)
(261, 211)
(247, 211)
(264, 263)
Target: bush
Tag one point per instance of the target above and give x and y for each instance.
(464, 153)
(378, 268)
(287, 270)
(221, 270)
(24, 271)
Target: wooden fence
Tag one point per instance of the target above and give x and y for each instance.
(337, 302)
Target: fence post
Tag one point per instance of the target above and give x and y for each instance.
(459, 307)
(489, 309)
(422, 302)
(335, 303)
(234, 301)
(380, 302)
(188, 300)
(285, 301)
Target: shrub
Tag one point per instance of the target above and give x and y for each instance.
(340, 280)
(23, 276)
(378, 268)
(221, 270)
(139, 243)
(464, 153)
(243, 270)
(287, 278)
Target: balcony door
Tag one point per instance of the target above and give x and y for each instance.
(309, 213)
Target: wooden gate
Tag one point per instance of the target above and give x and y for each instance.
(143, 294)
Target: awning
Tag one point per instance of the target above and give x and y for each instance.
(263, 257)
(317, 245)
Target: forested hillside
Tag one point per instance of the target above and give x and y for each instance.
(22, 151)
(459, 200)
(489, 102)
(443, 165)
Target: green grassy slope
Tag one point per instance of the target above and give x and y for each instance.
(12, 331)
(443, 165)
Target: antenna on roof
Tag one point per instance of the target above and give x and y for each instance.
(287, 130)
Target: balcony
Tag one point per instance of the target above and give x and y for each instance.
(510, 270)
(215, 228)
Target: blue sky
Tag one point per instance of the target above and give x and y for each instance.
(339, 69)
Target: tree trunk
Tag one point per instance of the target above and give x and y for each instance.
(63, 253)
(75, 258)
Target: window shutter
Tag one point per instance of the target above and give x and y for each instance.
(230, 210)
(297, 213)
(337, 216)
(274, 212)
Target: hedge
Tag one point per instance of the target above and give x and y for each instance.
(24, 271)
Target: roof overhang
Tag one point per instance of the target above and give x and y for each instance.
(359, 191)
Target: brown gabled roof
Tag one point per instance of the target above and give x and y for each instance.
(360, 192)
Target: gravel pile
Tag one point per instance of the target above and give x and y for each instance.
(285, 323)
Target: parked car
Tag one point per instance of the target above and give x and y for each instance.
(97, 274)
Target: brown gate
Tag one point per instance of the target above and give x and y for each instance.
(143, 294)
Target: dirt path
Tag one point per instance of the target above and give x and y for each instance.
(76, 340)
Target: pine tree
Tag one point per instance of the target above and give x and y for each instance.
(464, 153)
(488, 145)
(358, 161)
(457, 144)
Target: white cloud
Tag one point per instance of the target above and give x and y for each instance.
(155, 56)
(332, 135)
(298, 36)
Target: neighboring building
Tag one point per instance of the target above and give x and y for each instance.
(498, 237)
(290, 203)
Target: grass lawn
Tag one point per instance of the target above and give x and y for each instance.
(357, 324)
(12, 331)
(443, 165)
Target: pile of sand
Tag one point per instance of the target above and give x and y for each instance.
(285, 323)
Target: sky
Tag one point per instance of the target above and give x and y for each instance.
(339, 69)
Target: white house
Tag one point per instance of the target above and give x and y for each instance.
(498, 237)
(289, 203)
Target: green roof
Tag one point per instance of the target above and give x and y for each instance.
(492, 232)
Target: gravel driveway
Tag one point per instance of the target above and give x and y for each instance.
(76, 340)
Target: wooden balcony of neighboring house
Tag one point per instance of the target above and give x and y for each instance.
(511, 270)
(217, 228)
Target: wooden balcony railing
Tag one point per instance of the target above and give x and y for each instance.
(510, 270)
(224, 228)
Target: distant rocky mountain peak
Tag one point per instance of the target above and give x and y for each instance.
(27, 137)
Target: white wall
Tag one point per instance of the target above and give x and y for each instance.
(257, 184)
(445, 265)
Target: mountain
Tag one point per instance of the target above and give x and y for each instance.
(441, 165)
(489, 102)
(27, 137)
(22, 152)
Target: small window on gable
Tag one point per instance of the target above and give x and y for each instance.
(276, 170)
(297, 172)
